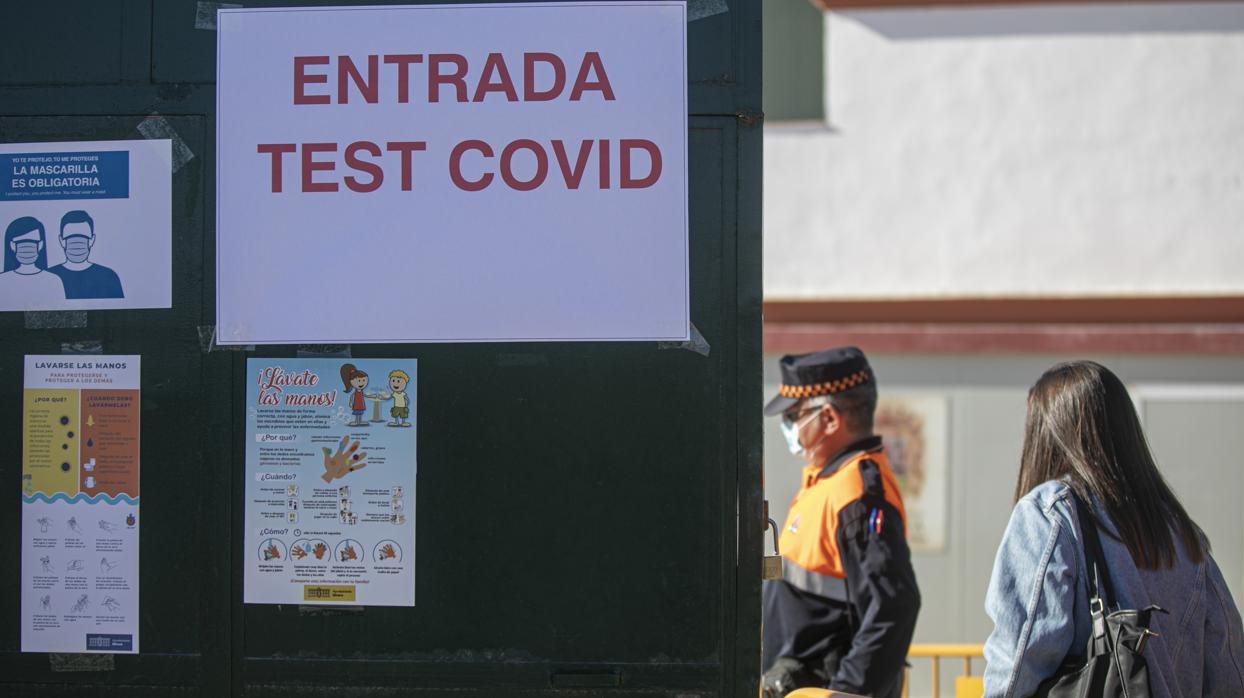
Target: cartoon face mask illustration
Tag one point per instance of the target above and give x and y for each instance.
(27, 251)
(77, 248)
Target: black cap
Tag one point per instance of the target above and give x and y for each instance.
(819, 373)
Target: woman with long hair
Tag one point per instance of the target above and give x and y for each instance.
(25, 283)
(1083, 438)
(25, 246)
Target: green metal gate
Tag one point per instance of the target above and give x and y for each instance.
(614, 544)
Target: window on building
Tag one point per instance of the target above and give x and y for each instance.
(794, 61)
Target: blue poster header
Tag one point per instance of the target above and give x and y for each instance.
(59, 176)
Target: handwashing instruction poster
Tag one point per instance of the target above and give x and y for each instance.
(330, 481)
(80, 431)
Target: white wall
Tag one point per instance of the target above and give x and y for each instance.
(1036, 150)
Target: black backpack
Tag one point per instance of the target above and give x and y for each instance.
(1114, 664)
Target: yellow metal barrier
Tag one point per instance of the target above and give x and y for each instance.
(966, 685)
(819, 693)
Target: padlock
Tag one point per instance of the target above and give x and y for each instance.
(772, 563)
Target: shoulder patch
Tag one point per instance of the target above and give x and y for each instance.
(870, 474)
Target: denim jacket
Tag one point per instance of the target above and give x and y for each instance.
(1038, 601)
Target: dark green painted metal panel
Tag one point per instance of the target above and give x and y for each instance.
(588, 514)
(75, 42)
(178, 583)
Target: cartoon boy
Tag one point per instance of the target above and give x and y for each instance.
(401, 401)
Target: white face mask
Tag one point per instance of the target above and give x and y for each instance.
(791, 432)
(791, 429)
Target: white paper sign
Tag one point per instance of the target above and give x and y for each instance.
(80, 504)
(452, 173)
(87, 225)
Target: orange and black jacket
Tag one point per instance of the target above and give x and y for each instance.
(846, 605)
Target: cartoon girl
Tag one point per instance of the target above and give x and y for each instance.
(352, 378)
(25, 282)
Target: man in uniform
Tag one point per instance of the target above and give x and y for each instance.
(81, 277)
(843, 613)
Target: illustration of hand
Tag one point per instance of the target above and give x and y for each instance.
(107, 525)
(348, 553)
(344, 461)
(387, 552)
(111, 604)
(272, 553)
(298, 552)
(75, 566)
(73, 525)
(44, 524)
(319, 551)
(105, 566)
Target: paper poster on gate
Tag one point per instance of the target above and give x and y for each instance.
(452, 173)
(915, 428)
(80, 495)
(87, 225)
(330, 481)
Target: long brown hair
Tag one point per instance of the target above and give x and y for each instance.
(1082, 427)
(349, 373)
